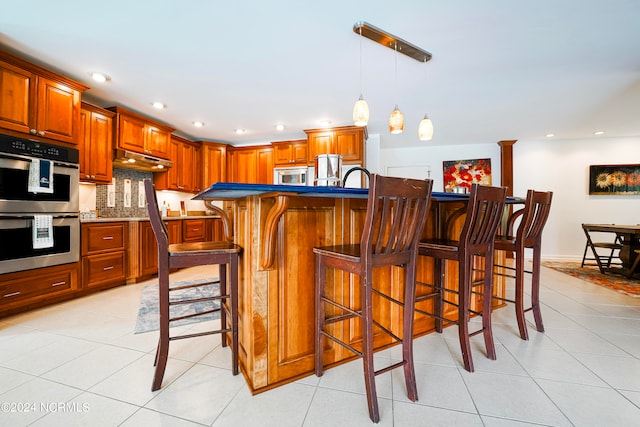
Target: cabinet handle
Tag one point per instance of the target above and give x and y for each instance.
(108, 268)
(33, 131)
(12, 294)
(53, 285)
(107, 238)
(41, 133)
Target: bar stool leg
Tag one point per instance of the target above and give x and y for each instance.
(367, 347)
(222, 275)
(162, 352)
(438, 301)
(464, 271)
(535, 290)
(519, 296)
(233, 275)
(321, 280)
(407, 334)
(487, 299)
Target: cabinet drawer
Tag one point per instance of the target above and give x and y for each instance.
(103, 269)
(193, 230)
(40, 283)
(103, 237)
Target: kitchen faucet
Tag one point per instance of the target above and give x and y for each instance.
(346, 175)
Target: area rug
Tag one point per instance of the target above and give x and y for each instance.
(591, 274)
(149, 311)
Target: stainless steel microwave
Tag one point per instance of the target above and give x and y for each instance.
(291, 176)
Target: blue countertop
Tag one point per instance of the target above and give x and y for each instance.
(232, 190)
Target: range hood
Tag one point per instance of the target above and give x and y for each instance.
(141, 162)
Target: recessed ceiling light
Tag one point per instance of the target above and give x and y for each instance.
(239, 131)
(100, 77)
(325, 123)
(160, 166)
(279, 128)
(131, 160)
(550, 135)
(159, 105)
(598, 132)
(198, 124)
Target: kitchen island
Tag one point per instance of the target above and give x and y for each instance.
(277, 227)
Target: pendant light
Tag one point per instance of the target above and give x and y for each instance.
(425, 130)
(361, 109)
(396, 119)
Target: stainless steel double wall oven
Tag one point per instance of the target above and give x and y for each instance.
(18, 205)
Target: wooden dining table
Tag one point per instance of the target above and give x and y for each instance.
(630, 235)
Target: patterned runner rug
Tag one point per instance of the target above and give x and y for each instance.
(149, 311)
(591, 274)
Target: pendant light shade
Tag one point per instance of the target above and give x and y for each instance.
(396, 121)
(425, 130)
(361, 112)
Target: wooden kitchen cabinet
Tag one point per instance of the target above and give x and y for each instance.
(96, 142)
(183, 175)
(33, 288)
(214, 163)
(250, 165)
(141, 134)
(103, 250)
(38, 102)
(194, 230)
(347, 141)
(145, 249)
(290, 153)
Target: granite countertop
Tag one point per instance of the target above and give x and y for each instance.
(142, 218)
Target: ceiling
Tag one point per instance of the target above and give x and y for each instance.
(501, 69)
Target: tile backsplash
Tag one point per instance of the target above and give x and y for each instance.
(126, 203)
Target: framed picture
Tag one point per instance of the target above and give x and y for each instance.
(614, 179)
(458, 175)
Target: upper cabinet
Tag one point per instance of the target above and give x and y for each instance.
(184, 175)
(290, 153)
(38, 102)
(140, 134)
(96, 140)
(214, 163)
(252, 165)
(347, 141)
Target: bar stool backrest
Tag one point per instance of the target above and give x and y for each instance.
(484, 213)
(534, 217)
(396, 214)
(157, 225)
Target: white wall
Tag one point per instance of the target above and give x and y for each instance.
(561, 166)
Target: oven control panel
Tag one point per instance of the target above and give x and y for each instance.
(30, 148)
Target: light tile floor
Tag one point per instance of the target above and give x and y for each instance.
(79, 363)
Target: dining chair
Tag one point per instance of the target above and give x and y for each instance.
(533, 217)
(603, 260)
(396, 214)
(483, 214)
(182, 255)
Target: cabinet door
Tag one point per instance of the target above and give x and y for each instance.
(299, 153)
(84, 145)
(321, 143)
(169, 180)
(245, 166)
(282, 154)
(58, 114)
(104, 269)
(186, 175)
(157, 142)
(174, 230)
(17, 92)
(131, 133)
(101, 154)
(148, 250)
(264, 165)
(350, 145)
(196, 169)
(103, 237)
(214, 161)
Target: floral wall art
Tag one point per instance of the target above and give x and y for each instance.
(614, 179)
(460, 174)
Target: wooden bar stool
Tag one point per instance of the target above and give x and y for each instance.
(484, 212)
(224, 254)
(396, 214)
(529, 235)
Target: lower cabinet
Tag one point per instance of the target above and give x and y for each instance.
(33, 288)
(103, 254)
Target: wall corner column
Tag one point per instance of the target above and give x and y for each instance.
(506, 164)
